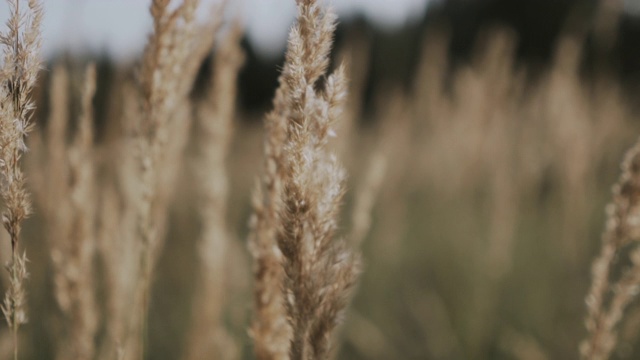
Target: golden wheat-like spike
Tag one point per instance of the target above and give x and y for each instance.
(56, 164)
(214, 120)
(21, 45)
(162, 132)
(83, 314)
(319, 270)
(366, 196)
(270, 329)
(607, 298)
(67, 201)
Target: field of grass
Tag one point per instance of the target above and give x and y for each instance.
(463, 217)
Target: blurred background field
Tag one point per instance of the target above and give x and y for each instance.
(484, 136)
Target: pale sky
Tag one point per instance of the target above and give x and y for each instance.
(121, 26)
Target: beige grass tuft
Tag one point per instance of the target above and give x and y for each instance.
(215, 115)
(161, 131)
(67, 200)
(304, 184)
(608, 298)
(21, 44)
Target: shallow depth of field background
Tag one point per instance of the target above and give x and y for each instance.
(503, 123)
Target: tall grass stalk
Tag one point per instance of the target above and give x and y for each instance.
(215, 116)
(608, 297)
(164, 91)
(319, 270)
(21, 43)
(65, 193)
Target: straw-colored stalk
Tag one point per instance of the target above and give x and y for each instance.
(118, 245)
(67, 201)
(270, 330)
(79, 277)
(319, 270)
(164, 89)
(214, 116)
(355, 54)
(21, 48)
(608, 298)
(368, 191)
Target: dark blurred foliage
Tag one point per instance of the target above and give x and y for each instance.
(536, 24)
(394, 55)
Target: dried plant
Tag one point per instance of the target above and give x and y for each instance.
(67, 201)
(355, 54)
(365, 199)
(270, 330)
(608, 298)
(486, 182)
(21, 45)
(117, 243)
(319, 270)
(164, 91)
(79, 280)
(214, 123)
